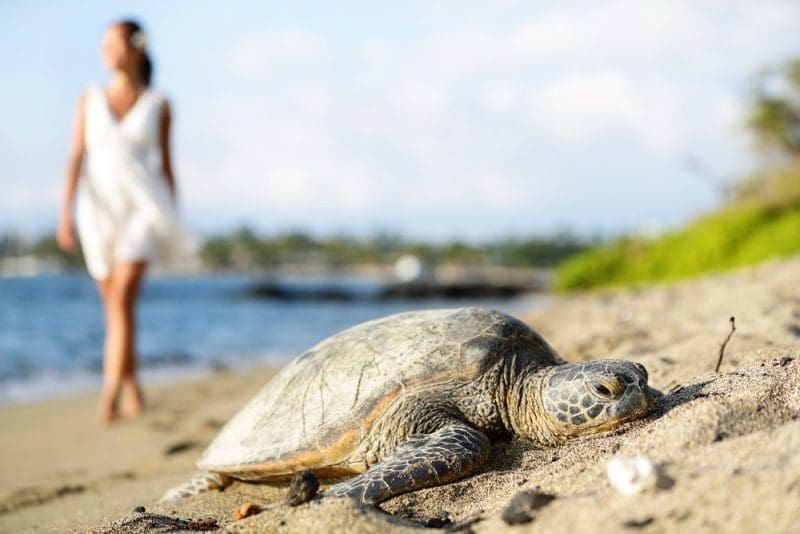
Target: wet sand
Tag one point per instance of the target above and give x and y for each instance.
(727, 444)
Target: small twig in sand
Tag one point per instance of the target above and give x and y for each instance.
(724, 344)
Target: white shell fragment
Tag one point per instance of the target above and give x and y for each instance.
(631, 474)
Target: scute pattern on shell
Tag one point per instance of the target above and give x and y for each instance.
(321, 405)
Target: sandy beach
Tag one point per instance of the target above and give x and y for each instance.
(726, 445)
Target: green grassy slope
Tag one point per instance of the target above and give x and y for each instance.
(741, 234)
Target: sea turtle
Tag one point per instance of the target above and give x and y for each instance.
(414, 400)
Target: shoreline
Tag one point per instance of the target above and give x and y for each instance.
(57, 388)
(729, 442)
(53, 330)
(108, 470)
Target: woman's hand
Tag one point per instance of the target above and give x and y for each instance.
(65, 236)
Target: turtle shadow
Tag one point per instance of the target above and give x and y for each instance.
(678, 396)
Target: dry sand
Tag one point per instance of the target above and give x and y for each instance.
(727, 444)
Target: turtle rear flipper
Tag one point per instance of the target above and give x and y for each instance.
(198, 484)
(451, 453)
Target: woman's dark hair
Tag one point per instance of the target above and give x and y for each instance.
(131, 29)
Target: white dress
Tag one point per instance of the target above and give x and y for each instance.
(125, 211)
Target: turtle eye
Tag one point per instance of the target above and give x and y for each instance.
(607, 389)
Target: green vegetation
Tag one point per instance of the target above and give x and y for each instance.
(245, 250)
(775, 111)
(45, 247)
(760, 221)
(739, 235)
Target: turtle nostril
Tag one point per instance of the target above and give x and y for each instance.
(642, 369)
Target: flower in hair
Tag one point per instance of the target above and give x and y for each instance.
(138, 40)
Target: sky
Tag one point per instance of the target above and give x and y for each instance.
(431, 119)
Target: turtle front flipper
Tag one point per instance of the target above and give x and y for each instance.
(451, 453)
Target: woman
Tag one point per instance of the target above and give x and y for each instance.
(125, 213)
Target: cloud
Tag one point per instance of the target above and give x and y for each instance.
(264, 55)
(616, 30)
(500, 96)
(581, 106)
(475, 127)
(33, 207)
(612, 33)
(421, 97)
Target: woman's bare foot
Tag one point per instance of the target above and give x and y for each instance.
(107, 408)
(132, 403)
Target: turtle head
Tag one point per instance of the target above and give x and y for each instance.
(587, 398)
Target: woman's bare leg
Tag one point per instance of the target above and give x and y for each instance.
(107, 405)
(119, 365)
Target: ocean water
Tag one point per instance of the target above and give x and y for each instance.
(51, 328)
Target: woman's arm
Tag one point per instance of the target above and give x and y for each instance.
(166, 156)
(66, 233)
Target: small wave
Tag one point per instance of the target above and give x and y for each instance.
(52, 385)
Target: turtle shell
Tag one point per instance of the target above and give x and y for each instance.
(318, 408)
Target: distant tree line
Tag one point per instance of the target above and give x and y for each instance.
(44, 247)
(244, 250)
